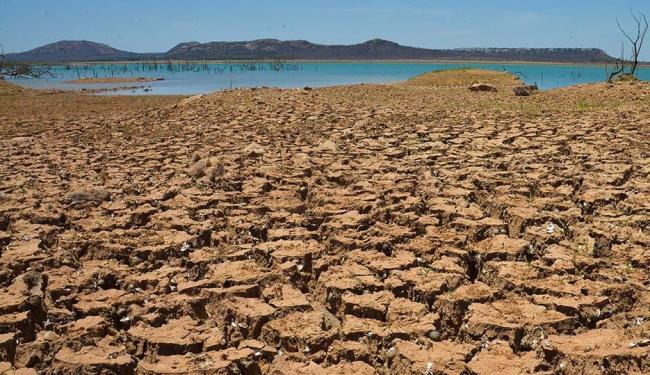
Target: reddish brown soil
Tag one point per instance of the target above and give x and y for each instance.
(416, 228)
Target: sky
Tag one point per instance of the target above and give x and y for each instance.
(156, 26)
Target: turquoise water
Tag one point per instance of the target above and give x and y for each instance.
(200, 78)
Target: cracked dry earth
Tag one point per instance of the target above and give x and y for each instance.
(415, 228)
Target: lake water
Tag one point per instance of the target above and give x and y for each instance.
(201, 78)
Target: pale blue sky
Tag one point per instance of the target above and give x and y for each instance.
(156, 26)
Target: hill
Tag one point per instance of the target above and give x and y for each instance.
(376, 49)
(73, 50)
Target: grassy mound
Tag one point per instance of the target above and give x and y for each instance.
(465, 77)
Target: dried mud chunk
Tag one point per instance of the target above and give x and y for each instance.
(337, 280)
(244, 315)
(294, 233)
(346, 221)
(21, 254)
(452, 306)
(443, 358)
(509, 275)
(502, 247)
(48, 217)
(88, 327)
(382, 264)
(285, 366)
(176, 337)
(158, 280)
(511, 319)
(348, 351)
(7, 347)
(476, 230)
(410, 320)
(182, 242)
(447, 264)
(591, 199)
(300, 252)
(102, 302)
(213, 295)
(246, 358)
(38, 353)
(88, 196)
(214, 340)
(5, 238)
(354, 368)
(498, 358)
(21, 371)
(560, 259)
(422, 284)
(367, 305)
(259, 349)
(245, 272)
(519, 218)
(167, 306)
(22, 323)
(299, 332)
(141, 215)
(93, 360)
(589, 309)
(634, 317)
(283, 200)
(213, 363)
(286, 298)
(27, 293)
(615, 351)
(369, 330)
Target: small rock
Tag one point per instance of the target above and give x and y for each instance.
(254, 150)
(96, 196)
(485, 87)
(191, 99)
(328, 146)
(525, 90)
(435, 335)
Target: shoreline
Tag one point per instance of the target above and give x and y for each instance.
(338, 61)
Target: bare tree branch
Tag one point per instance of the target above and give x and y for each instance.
(636, 42)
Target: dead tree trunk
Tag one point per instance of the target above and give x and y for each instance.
(620, 65)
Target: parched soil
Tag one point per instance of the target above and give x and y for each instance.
(415, 228)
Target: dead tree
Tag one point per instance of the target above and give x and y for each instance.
(637, 42)
(22, 70)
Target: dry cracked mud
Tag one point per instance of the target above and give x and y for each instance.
(413, 228)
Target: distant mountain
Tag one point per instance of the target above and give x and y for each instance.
(69, 50)
(376, 49)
